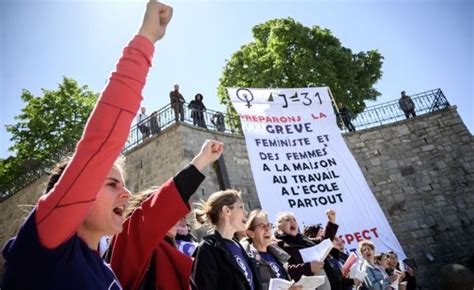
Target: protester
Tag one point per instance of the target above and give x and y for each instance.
(340, 245)
(144, 231)
(292, 241)
(184, 231)
(143, 123)
(381, 262)
(407, 276)
(221, 262)
(240, 235)
(375, 279)
(177, 102)
(314, 232)
(167, 268)
(317, 233)
(338, 253)
(406, 105)
(271, 260)
(185, 240)
(56, 247)
(197, 111)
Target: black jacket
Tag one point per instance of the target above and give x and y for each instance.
(215, 268)
(296, 267)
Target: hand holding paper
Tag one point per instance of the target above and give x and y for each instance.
(356, 273)
(318, 252)
(395, 283)
(351, 260)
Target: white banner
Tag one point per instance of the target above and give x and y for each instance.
(301, 163)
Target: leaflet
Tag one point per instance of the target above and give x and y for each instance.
(308, 282)
(318, 252)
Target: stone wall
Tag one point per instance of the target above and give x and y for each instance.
(420, 170)
(15, 209)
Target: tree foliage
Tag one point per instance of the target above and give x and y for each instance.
(286, 54)
(48, 127)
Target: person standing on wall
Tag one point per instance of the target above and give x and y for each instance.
(142, 121)
(197, 111)
(177, 100)
(406, 105)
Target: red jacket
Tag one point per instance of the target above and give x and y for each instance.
(173, 268)
(144, 232)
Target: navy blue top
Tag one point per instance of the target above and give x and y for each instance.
(274, 265)
(238, 255)
(72, 265)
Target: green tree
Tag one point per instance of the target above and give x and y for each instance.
(47, 129)
(286, 54)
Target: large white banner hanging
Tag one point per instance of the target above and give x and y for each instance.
(301, 163)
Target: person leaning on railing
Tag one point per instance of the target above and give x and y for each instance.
(197, 111)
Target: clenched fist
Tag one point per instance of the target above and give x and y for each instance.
(156, 19)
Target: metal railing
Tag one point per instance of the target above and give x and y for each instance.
(165, 117)
(377, 115)
(389, 112)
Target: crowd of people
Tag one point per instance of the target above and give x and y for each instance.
(151, 125)
(151, 244)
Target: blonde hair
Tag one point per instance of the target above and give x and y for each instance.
(365, 243)
(282, 215)
(209, 211)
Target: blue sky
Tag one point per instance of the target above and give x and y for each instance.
(426, 45)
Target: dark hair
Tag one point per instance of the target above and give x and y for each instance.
(311, 231)
(56, 174)
(392, 253)
(198, 95)
(378, 258)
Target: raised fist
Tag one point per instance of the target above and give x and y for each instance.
(211, 150)
(156, 19)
